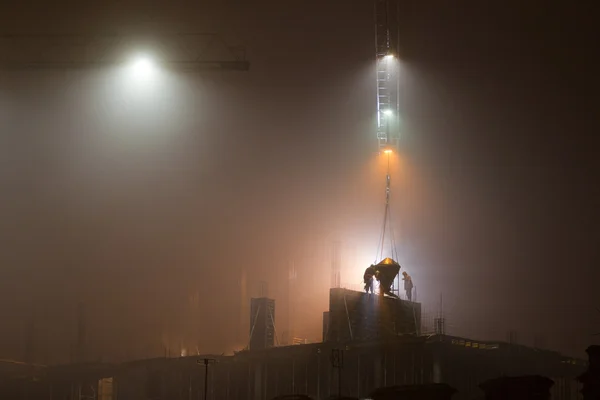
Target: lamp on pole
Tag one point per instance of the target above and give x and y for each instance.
(206, 362)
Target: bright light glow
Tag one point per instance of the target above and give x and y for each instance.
(388, 151)
(389, 56)
(388, 112)
(143, 66)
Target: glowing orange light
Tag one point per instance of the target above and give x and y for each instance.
(387, 151)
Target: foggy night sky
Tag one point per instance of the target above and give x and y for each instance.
(130, 202)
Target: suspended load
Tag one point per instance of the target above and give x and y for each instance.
(385, 272)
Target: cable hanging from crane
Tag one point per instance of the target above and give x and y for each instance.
(387, 219)
(386, 51)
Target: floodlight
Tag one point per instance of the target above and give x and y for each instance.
(143, 66)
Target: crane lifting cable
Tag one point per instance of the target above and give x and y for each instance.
(387, 52)
(387, 269)
(387, 227)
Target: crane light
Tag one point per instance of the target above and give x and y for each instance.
(388, 112)
(143, 66)
(388, 151)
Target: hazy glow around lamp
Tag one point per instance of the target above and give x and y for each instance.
(143, 66)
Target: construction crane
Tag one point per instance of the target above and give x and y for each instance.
(182, 51)
(388, 83)
(388, 117)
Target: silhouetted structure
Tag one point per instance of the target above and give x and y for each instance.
(591, 378)
(262, 323)
(356, 316)
(305, 370)
(336, 262)
(439, 326)
(432, 391)
(293, 397)
(325, 325)
(518, 388)
(20, 381)
(375, 336)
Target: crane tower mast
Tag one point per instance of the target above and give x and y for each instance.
(388, 84)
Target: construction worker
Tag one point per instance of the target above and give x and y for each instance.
(408, 285)
(368, 278)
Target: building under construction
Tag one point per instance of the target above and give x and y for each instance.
(359, 316)
(369, 342)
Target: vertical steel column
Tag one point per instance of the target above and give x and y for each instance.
(318, 374)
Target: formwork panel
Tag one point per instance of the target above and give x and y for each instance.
(357, 316)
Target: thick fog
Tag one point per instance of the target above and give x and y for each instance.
(150, 210)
